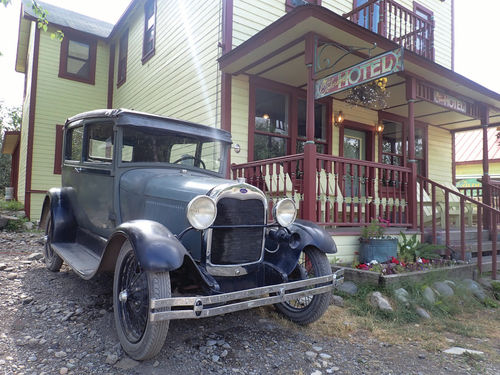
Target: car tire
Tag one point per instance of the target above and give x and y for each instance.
(140, 338)
(305, 310)
(52, 261)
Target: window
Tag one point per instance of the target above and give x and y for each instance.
(148, 47)
(74, 138)
(369, 16)
(59, 148)
(291, 4)
(423, 41)
(392, 143)
(99, 141)
(122, 59)
(320, 119)
(78, 59)
(271, 124)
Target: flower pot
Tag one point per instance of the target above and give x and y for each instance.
(379, 249)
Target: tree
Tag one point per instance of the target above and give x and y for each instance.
(10, 119)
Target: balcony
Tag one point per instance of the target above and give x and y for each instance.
(413, 30)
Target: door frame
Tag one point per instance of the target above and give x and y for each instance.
(370, 137)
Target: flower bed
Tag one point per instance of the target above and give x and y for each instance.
(396, 266)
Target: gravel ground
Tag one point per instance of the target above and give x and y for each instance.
(57, 323)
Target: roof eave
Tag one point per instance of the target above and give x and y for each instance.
(23, 38)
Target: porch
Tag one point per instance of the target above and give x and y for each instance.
(295, 146)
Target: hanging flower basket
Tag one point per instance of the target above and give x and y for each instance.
(372, 95)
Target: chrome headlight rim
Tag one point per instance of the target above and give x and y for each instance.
(191, 216)
(280, 216)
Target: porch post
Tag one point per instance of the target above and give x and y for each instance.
(309, 146)
(485, 121)
(411, 94)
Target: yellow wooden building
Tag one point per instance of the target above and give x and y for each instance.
(364, 150)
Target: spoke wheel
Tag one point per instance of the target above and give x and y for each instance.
(133, 288)
(307, 309)
(52, 261)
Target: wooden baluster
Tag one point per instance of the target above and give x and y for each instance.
(351, 204)
(494, 247)
(434, 235)
(421, 206)
(462, 227)
(381, 174)
(359, 207)
(400, 197)
(344, 204)
(336, 192)
(479, 241)
(447, 219)
(319, 216)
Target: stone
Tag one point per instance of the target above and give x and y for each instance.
(60, 354)
(32, 358)
(224, 353)
(317, 372)
(443, 289)
(211, 342)
(11, 276)
(456, 350)
(311, 355)
(35, 256)
(325, 356)
(317, 348)
(422, 312)
(126, 363)
(156, 364)
(485, 283)
(348, 287)
(63, 370)
(333, 369)
(2, 266)
(337, 301)
(450, 283)
(111, 359)
(429, 295)
(3, 222)
(215, 358)
(379, 301)
(474, 288)
(29, 225)
(402, 296)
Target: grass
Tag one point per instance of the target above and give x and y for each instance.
(11, 205)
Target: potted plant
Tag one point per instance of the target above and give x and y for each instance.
(375, 245)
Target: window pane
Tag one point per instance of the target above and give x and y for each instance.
(266, 147)
(392, 138)
(271, 112)
(78, 50)
(319, 119)
(74, 144)
(100, 142)
(419, 143)
(320, 147)
(78, 59)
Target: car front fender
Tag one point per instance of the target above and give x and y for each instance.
(57, 202)
(313, 235)
(156, 248)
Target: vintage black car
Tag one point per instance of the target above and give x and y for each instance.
(145, 196)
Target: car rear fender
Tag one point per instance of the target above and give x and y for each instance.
(64, 225)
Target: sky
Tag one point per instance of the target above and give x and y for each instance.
(476, 52)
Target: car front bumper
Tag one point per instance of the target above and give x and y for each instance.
(207, 306)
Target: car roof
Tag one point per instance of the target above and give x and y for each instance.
(126, 117)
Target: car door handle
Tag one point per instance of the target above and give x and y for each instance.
(77, 169)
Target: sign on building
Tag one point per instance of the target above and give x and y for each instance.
(366, 71)
(450, 102)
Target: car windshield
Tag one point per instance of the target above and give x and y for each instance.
(158, 146)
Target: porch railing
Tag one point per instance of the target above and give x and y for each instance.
(348, 192)
(397, 23)
(461, 223)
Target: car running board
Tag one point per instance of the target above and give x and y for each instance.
(82, 260)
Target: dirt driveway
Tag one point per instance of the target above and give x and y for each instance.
(57, 323)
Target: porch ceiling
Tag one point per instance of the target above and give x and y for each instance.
(277, 53)
(10, 141)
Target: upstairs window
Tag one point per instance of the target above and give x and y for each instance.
(291, 4)
(148, 47)
(122, 59)
(78, 59)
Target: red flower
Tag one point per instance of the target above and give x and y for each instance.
(394, 260)
(363, 266)
(425, 261)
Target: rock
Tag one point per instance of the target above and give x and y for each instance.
(156, 364)
(317, 348)
(429, 295)
(11, 276)
(67, 316)
(29, 225)
(348, 287)
(3, 222)
(378, 300)
(325, 356)
(475, 289)
(63, 370)
(32, 358)
(35, 256)
(317, 372)
(422, 313)
(126, 363)
(211, 342)
(443, 289)
(215, 358)
(311, 355)
(2, 266)
(333, 369)
(402, 296)
(421, 356)
(337, 301)
(459, 351)
(20, 214)
(450, 283)
(111, 359)
(485, 283)
(60, 354)
(224, 353)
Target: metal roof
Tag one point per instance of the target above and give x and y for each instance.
(469, 145)
(69, 19)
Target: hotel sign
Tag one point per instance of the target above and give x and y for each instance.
(366, 71)
(450, 102)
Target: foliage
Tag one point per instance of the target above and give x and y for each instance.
(395, 266)
(372, 94)
(410, 249)
(375, 229)
(16, 225)
(10, 119)
(11, 205)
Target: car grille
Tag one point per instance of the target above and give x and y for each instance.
(237, 245)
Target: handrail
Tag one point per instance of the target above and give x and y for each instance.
(278, 159)
(363, 163)
(358, 9)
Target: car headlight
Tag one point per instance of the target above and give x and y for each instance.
(201, 212)
(285, 212)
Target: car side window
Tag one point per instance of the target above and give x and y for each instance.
(74, 141)
(99, 141)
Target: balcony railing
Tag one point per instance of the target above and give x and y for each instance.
(348, 192)
(397, 23)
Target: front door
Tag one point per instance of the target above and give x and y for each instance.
(354, 148)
